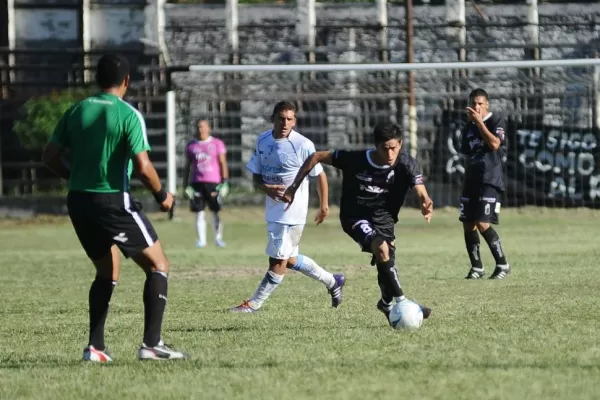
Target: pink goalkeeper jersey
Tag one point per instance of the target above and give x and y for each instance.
(204, 159)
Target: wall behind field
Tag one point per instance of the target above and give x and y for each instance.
(197, 33)
(57, 23)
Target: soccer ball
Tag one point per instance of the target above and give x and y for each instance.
(406, 315)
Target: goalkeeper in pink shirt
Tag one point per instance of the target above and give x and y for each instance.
(207, 181)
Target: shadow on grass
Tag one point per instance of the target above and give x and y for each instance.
(15, 363)
(211, 364)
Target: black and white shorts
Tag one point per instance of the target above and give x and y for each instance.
(363, 231)
(205, 194)
(104, 219)
(480, 204)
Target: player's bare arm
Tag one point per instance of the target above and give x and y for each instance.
(323, 191)
(425, 202)
(323, 157)
(273, 191)
(147, 174)
(488, 137)
(188, 166)
(223, 166)
(52, 159)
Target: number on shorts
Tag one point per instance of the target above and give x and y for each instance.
(486, 210)
(366, 228)
(462, 209)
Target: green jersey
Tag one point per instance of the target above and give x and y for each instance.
(103, 133)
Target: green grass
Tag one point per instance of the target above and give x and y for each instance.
(532, 336)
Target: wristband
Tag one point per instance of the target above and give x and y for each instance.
(160, 196)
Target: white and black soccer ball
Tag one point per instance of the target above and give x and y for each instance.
(406, 315)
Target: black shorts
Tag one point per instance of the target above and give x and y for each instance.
(205, 194)
(103, 219)
(480, 204)
(363, 231)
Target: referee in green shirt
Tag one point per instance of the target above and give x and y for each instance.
(106, 139)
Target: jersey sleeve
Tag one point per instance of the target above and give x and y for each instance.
(254, 162)
(499, 127)
(307, 150)
(341, 159)
(413, 171)
(135, 134)
(221, 148)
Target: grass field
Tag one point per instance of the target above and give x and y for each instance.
(532, 336)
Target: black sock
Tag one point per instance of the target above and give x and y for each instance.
(472, 242)
(99, 300)
(386, 296)
(155, 301)
(493, 241)
(388, 277)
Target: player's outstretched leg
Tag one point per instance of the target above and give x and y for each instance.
(154, 262)
(101, 290)
(218, 229)
(308, 267)
(493, 240)
(387, 277)
(272, 279)
(472, 244)
(200, 229)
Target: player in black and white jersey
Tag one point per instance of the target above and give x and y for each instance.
(374, 186)
(483, 144)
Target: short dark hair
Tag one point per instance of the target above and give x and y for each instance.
(111, 71)
(477, 93)
(283, 106)
(202, 119)
(384, 132)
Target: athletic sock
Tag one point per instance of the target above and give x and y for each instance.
(493, 241)
(99, 301)
(310, 268)
(268, 284)
(155, 301)
(472, 243)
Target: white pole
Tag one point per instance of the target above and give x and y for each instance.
(596, 97)
(12, 38)
(576, 62)
(161, 24)
(231, 23)
(86, 39)
(306, 20)
(382, 20)
(533, 30)
(171, 144)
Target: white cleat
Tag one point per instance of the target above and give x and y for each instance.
(160, 352)
(98, 356)
(220, 243)
(244, 308)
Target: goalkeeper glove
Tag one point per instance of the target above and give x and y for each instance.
(190, 192)
(223, 188)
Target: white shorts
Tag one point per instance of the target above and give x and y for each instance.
(283, 240)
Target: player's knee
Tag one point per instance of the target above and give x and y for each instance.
(161, 265)
(469, 226)
(277, 265)
(482, 226)
(380, 249)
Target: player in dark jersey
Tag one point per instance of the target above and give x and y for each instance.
(107, 140)
(374, 185)
(483, 144)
